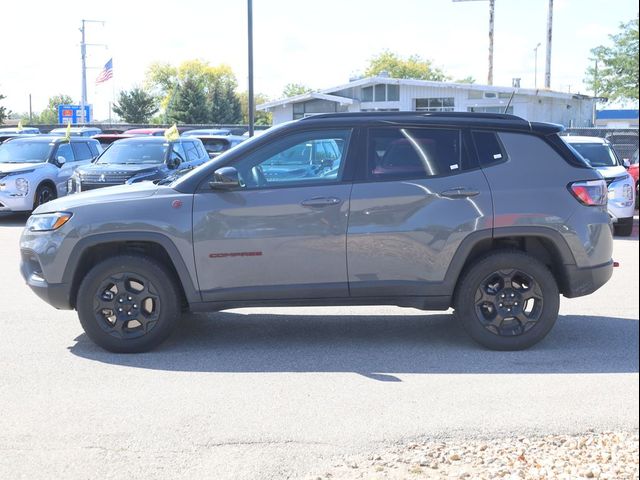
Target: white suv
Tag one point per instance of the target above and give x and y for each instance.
(621, 186)
(35, 169)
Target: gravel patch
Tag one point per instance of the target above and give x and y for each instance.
(609, 455)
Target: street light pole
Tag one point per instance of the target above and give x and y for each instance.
(83, 53)
(535, 68)
(547, 73)
(250, 55)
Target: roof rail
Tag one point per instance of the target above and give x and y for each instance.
(468, 115)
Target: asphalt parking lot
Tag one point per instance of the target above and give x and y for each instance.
(277, 393)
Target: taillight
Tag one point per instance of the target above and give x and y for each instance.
(591, 192)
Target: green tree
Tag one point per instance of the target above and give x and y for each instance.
(135, 105)
(467, 79)
(398, 67)
(260, 117)
(293, 89)
(617, 66)
(50, 114)
(217, 83)
(189, 104)
(3, 111)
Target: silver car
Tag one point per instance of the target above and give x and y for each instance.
(35, 169)
(600, 154)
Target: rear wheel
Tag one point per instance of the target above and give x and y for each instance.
(128, 304)
(507, 300)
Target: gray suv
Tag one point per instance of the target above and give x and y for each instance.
(489, 214)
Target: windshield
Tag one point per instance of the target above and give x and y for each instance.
(25, 152)
(134, 153)
(597, 154)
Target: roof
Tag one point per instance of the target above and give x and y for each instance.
(443, 119)
(49, 138)
(307, 96)
(328, 93)
(583, 139)
(617, 114)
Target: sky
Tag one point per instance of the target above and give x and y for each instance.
(317, 43)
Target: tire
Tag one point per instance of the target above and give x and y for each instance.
(44, 193)
(624, 227)
(507, 300)
(128, 304)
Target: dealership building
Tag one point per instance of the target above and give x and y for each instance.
(385, 94)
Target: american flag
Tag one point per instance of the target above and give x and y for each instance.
(106, 73)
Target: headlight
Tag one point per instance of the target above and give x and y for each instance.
(48, 221)
(22, 185)
(627, 192)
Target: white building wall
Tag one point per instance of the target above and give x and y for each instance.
(567, 111)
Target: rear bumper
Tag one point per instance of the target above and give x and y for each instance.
(583, 281)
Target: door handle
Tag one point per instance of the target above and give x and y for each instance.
(319, 202)
(459, 192)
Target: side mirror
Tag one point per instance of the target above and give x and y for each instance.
(173, 163)
(225, 178)
(61, 160)
(626, 163)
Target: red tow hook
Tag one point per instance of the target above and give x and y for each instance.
(616, 264)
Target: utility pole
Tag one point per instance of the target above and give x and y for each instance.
(492, 4)
(83, 53)
(30, 111)
(535, 68)
(547, 73)
(250, 55)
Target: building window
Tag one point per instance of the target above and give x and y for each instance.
(490, 110)
(393, 93)
(311, 107)
(435, 104)
(381, 93)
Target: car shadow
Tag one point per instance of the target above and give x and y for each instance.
(13, 219)
(375, 346)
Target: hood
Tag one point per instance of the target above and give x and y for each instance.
(612, 172)
(117, 193)
(19, 167)
(110, 168)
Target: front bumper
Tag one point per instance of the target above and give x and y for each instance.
(57, 295)
(11, 203)
(583, 281)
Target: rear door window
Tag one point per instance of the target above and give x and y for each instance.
(81, 151)
(396, 153)
(489, 148)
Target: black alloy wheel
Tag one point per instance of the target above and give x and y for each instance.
(507, 300)
(128, 303)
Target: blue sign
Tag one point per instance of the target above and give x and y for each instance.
(71, 113)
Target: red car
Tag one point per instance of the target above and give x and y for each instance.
(156, 132)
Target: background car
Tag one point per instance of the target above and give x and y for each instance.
(35, 169)
(137, 159)
(217, 144)
(206, 131)
(107, 139)
(156, 132)
(633, 171)
(76, 131)
(19, 131)
(599, 153)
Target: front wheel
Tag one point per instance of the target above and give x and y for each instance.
(44, 193)
(507, 300)
(128, 304)
(624, 227)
